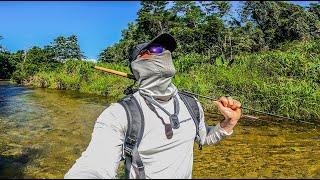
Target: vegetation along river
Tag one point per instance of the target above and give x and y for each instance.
(44, 131)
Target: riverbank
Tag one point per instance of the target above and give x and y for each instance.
(285, 81)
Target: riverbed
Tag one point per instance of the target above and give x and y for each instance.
(44, 131)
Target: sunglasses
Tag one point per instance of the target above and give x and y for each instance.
(153, 49)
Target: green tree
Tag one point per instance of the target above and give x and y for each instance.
(67, 48)
(187, 28)
(208, 29)
(32, 61)
(217, 8)
(281, 21)
(107, 55)
(119, 52)
(153, 18)
(74, 51)
(6, 67)
(2, 49)
(315, 8)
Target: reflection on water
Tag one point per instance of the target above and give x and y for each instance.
(44, 131)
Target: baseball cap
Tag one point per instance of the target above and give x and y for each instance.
(165, 39)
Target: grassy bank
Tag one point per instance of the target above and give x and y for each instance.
(284, 81)
(80, 76)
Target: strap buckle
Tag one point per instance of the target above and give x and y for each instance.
(128, 150)
(140, 167)
(129, 145)
(130, 141)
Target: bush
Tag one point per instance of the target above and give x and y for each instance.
(186, 62)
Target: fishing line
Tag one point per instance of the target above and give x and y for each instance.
(246, 117)
(250, 109)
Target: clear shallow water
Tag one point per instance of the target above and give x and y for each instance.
(44, 131)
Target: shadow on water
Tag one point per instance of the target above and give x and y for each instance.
(12, 165)
(8, 90)
(9, 96)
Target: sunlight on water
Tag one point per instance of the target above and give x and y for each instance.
(44, 131)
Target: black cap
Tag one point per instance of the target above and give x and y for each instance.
(165, 39)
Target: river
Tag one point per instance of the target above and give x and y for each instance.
(44, 131)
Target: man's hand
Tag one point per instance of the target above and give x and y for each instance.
(231, 110)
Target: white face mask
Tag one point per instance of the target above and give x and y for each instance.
(154, 75)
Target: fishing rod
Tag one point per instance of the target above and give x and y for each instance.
(130, 76)
(119, 73)
(250, 109)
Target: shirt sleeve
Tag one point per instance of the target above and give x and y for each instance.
(210, 134)
(102, 157)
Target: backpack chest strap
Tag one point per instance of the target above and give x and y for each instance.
(193, 108)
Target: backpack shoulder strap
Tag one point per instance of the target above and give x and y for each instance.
(133, 136)
(193, 108)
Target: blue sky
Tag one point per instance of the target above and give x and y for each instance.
(97, 24)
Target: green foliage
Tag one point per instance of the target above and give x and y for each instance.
(292, 60)
(66, 48)
(281, 21)
(82, 77)
(208, 28)
(34, 60)
(195, 30)
(315, 9)
(282, 82)
(6, 68)
(188, 61)
(217, 8)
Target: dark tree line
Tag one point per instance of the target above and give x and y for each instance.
(208, 28)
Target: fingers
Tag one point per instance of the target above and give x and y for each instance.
(219, 104)
(238, 104)
(230, 102)
(224, 101)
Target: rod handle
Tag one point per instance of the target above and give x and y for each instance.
(111, 71)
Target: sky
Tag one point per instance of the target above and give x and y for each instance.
(97, 24)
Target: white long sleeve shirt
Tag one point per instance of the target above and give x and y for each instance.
(161, 157)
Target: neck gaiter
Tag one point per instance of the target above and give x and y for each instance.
(154, 76)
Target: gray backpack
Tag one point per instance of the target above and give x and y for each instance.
(135, 130)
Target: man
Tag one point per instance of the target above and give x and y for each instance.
(167, 127)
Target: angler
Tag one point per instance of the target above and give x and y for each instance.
(153, 129)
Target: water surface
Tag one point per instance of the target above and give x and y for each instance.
(44, 131)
